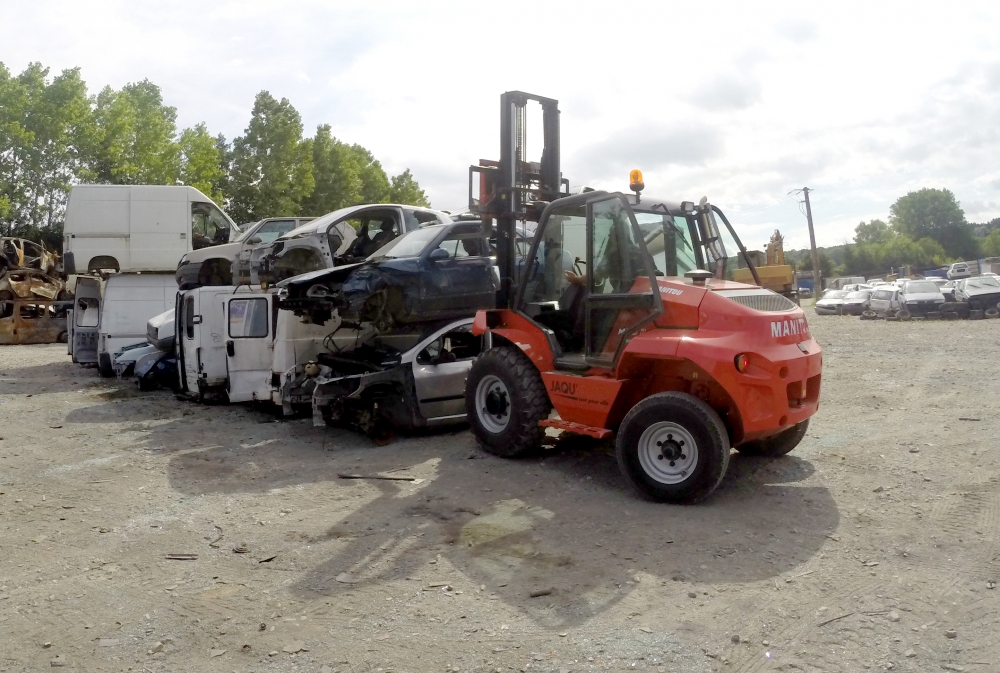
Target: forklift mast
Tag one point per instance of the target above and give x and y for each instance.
(514, 188)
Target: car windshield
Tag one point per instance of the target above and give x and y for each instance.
(983, 282)
(862, 294)
(407, 245)
(834, 294)
(920, 286)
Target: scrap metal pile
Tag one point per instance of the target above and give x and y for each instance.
(33, 299)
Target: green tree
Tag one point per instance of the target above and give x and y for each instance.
(272, 172)
(201, 162)
(991, 244)
(47, 138)
(875, 231)
(137, 145)
(405, 190)
(375, 187)
(336, 172)
(936, 214)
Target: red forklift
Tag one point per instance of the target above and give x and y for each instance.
(622, 318)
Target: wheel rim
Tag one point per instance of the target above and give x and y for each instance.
(493, 404)
(668, 453)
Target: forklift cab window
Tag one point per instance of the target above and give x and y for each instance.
(669, 242)
(561, 249)
(617, 257)
(722, 253)
(208, 226)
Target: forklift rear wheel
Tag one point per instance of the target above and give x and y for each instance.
(505, 399)
(673, 448)
(777, 445)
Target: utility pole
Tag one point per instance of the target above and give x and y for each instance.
(817, 280)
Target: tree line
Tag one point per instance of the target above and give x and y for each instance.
(54, 134)
(926, 229)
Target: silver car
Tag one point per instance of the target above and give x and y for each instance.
(375, 387)
(341, 237)
(831, 303)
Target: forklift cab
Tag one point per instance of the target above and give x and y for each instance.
(590, 279)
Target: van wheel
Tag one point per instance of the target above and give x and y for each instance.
(505, 399)
(104, 367)
(673, 448)
(776, 445)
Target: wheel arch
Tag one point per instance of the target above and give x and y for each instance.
(647, 376)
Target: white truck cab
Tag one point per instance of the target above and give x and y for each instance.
(129, 300)
(145, 228)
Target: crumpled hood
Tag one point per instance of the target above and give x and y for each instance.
(304, 281)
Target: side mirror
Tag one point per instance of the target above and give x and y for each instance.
(437, 254)
(254, 240)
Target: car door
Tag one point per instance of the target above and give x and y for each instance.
(458, 279)
(86, 319)
(249, 347)
(440, 369)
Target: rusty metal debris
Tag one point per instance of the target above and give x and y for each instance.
(33, 301)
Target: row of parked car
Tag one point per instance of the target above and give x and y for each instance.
(972, 297)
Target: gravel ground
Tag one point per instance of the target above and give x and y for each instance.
(872, 546)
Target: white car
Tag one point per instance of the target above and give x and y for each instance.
(831, 303)
(885, 301)
(959, 270)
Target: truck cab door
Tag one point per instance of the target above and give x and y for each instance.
(622, 293)
(249, 347)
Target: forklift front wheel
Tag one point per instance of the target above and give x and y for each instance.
(673, 448)
(505, 399)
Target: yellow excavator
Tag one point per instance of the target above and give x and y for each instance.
(774, 274)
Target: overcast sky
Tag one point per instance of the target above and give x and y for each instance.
(739, 101)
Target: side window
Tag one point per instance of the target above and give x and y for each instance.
(562, 248)
(189, 317)
(272, 230)
(465, 245)
(248, 318)
(617, 257)
(419, 218)
(208, 226)
(669, 242)
(454, 346)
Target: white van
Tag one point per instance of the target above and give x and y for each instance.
(128, 302)
(139, 227)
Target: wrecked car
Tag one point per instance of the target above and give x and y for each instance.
(26, 283)
(214, 265)
(25, 254)
(33, 321)
(376, 387)
(980, 292)
(343, 236)
(438, 272)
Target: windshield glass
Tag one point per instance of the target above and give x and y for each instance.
(407, 245)
(668, 240)
(858, 295)
(834, 294)
(722, 253)
(984, 281)
(920, 286)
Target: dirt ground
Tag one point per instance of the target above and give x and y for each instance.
(873, 546)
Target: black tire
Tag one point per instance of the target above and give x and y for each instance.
(776, 445)
(976, 314)
(992, 312)
(868, 315)
(104, 367)
(677, 414)
(903, 314)
(518, 407)
(962, 310)
(950, 316)
(933, 315)
(949, 307)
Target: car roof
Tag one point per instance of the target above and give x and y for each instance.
(329, 218)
